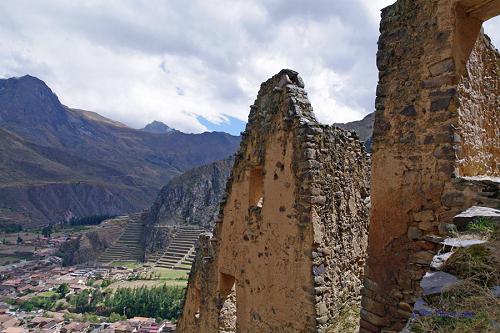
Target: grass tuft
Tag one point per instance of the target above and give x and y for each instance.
(485, 227)
(467, 307)
(475, 263)
(470, 306)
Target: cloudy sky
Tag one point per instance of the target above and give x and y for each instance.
(195, 65)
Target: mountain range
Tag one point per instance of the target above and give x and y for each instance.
(57, 162)
(195, 195)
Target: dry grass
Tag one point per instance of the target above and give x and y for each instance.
(468, 307)
(348, 320)
(476, 263)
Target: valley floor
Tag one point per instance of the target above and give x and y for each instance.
(37, 293)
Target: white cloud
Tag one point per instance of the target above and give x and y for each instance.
(138, 61)
(492, 29)
(375, 6)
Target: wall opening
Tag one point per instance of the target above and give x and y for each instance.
(478, 112)
(441, 86)
(227, 298)
(492, 29)
(256, 187)
(197, 302)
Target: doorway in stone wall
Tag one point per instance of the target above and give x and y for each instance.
(227, 298)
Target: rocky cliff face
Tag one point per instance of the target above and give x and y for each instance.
(90, 245)
(59, 162)
(192, 197)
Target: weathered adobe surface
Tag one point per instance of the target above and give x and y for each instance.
(436, 122)
(288, 250)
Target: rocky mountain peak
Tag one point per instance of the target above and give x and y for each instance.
(64, 160)
(158, 127)
(28, 100)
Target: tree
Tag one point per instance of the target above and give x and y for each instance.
(63, 289)
(81, 301)
(19, 239)
(158, 302)
(87, 301)
(61, 305)
(89, 220)
(90, 317)
(38, 302)
(114, 317)
(47, 231)
(105, 283)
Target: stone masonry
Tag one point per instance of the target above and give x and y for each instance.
(436, 130)
(288, 250)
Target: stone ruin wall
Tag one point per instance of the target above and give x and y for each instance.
(288, 251)
(479, 104)
(340, 229)
(436, 120)
(435, 123)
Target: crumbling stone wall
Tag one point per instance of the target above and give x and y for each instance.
(479, 112)
(288, 250)
(436, 120)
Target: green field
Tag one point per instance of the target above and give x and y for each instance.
(153, 278)
(171, 274)
(128, 264)
(146, 283)
(48, 294)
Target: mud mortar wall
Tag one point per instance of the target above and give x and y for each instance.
(434, 119)
(288, 250)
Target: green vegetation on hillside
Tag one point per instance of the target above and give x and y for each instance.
(89, 220)
(10, 228)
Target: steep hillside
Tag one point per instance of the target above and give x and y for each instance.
(90, 245)
(192, 197)
(59, 162)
